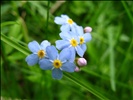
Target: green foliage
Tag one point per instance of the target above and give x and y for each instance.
(108, 74)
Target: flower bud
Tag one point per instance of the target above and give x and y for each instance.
(87, 29)
(81, 62)
(77, 69)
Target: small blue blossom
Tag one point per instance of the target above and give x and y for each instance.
(57, 62)
(38, 52)
(71, 41)
(66, 22)
(83, 37)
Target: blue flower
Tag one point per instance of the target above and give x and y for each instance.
(71, 41)
(57, 62)
(83, 37)
(67, 23)
(38, 52)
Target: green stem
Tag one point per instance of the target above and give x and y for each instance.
(47, 19)
(127, 11)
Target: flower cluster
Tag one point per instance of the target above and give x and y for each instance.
(73, 41)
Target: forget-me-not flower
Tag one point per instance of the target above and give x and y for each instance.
(71, 41)
(66, 22)
(57, 62)
(83, 37)
(38, 52)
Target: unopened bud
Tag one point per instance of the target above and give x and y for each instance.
(77, 69)
(81, 62)
(87, 29)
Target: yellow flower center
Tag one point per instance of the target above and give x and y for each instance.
(57, 63)
(70, 21)
(81, 40)
(73, 42)
(41, 53)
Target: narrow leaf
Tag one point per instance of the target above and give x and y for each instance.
(111, 59)
(8, 23)
(87, 87)
(127, 11)
(14, 44)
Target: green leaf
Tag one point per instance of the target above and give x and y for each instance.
(14, 44)
(15, 29)
(8, 23)
(112, 58)
(87, 87)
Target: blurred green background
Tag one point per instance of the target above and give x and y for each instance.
(109, 55)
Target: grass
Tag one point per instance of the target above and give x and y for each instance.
(108, 74)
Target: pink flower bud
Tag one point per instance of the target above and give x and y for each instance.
(81, 62)
(77, 69)
(87, 29)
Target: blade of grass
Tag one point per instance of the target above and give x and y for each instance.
(97, 13)
(111, 59)
(127, 11)
(4, 65)
(14, 44)
(8, 23)
(123, 85)
(26, 52)
(25, 30)
(127, 53)
(87, 87)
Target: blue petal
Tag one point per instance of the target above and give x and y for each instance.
(65, 54)
(52, 52)
(32, 59)
(73, 28)
(65, 27)
(73, 54)
(68, 67)
(68, 35)
(79, 30)
(59, 20)
(34, 46)
(87, 37)
(80, 52)
(83, 46)
(65, 35)
(64, 16)
(73, 35)
(44, 44)
(45, 64)
(57, 73)
(61, 44)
